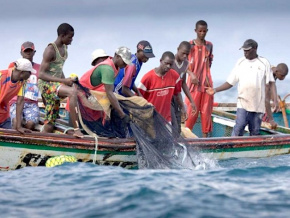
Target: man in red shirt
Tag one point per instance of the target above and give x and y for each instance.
(12, 82)
(160, 84)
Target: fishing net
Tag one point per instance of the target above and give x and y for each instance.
(157, 144)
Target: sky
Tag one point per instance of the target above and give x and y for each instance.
(164, 23)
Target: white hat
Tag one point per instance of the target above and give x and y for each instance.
(125, 54)
(98, 53)
(23, 64)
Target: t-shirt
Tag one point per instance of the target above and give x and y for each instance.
(31, 91)
(159, 90)
(103, 74)
(8, 90)
(252, 77)
(127, 76)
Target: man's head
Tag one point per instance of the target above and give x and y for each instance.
(144, 51)
(250, 49)
(201, 29)
(122, 57)
(166, 62)
(27, 50)
(24, 67)
(66, 33)
(281, 71)
(183, 51)
(98, 56)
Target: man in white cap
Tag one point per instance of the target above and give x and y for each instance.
(125, 81)
(101, 78)
(29, 108)
(98, 56)
(253, 73)
(12, 83)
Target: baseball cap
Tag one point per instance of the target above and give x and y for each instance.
(248, 44)
(146, 47)
(27, 45)
(98, 53)
(23, 64)
(125, 54)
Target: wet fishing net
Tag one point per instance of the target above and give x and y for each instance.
(159, 146)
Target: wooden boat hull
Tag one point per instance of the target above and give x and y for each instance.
(18, 151)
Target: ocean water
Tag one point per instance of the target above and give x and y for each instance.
(232, 188)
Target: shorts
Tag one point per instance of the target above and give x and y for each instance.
(30, 112)
(6, 124)
(49, 91)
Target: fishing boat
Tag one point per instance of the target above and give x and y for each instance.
(34, 149)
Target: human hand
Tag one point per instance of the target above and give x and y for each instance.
(68, 81)
(183, 115)
(23, 130)
(193, 79)
(210, 90)
(126, 119)
(193, 111)
(273, 124)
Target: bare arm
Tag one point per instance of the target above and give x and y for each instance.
(193, 78)
(268, 106)
(19, 109)
(126, 91)
(136, 90)
(113, 100)
(212, 91)
(273, 93)
(49, 56)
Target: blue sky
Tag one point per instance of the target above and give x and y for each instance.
(113, 23)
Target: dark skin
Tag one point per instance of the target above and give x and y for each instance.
(20, 76)
(250, 55)
(182, 55)
(109, 88)
(201, 31)
(28, 54)
(99, 60)
(66, 90)
(126, 90)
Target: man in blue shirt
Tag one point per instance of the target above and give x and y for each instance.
(125, 81)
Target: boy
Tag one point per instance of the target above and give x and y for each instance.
(29, 108)
(125, 80)
(180, 65)
(12, 84)
(200, 60)
(52, 83)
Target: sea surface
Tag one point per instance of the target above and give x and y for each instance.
(232, 188)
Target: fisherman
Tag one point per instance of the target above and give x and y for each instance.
(253, 73)
(13, 84)
(159, 85)
(279, 72)
(200, 60)
(101, 78)
(180, 65)
(52, 83)
(125, 81)
(98, 56)
(29, 108)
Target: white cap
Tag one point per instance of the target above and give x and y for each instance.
(23, 64)
(98, 53)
